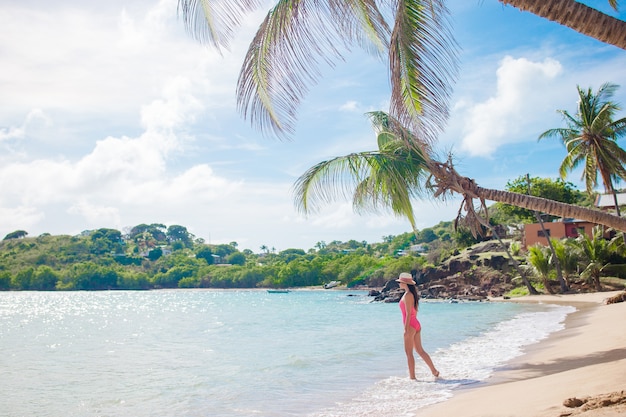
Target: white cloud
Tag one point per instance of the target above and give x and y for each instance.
(350, 106)
(112, 66)
(19, 218)
(11, 133)
(35, 119)
(95, 215)
(501, 118)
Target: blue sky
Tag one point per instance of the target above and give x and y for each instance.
(111, 116)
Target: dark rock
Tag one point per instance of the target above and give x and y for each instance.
(573, 402)
(390, 285)
(496, 262)
(456, 266)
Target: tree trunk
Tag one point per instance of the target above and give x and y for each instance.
(616, 204)
(546, 284)
(577, 16)
(617, 211)
(596, 281)
(554, 208)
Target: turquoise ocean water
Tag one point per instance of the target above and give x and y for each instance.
(245, 353)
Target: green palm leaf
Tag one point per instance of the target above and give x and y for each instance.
(388, 178)
(422, 59)
(283, 59)
(214, 21)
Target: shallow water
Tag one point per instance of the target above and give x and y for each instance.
(244, 353)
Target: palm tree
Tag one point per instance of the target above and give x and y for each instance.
(591, 140)
(596, 252)
(539, 258)
(387, 178)
(567, 255)
(281, 64)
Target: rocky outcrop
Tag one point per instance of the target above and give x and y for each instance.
(471, 279)
(390, 293)
(613, 403)
(619, 298)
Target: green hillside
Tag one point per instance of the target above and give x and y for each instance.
(156, 256)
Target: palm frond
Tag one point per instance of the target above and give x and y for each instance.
(560, 133)
(283, 59)
(329, 180)
(423, 64)
(383, 122)
(366, 24)
(388, 178)
(214, 22)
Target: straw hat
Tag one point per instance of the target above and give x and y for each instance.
(406, 278)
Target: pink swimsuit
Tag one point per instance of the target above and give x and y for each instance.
(414, 322)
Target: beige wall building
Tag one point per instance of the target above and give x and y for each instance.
(557, 230)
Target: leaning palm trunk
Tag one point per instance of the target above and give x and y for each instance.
(577, 16)
(554, 208)
(446, 180)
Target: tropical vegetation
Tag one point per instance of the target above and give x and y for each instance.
(152, 256)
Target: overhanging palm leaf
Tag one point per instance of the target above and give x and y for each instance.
(422, 59)
(388, 178)
(214, 21)
(297, 35)
(283, 58)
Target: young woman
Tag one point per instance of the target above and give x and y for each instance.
(412, 327)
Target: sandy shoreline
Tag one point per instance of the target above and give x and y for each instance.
(586, 359)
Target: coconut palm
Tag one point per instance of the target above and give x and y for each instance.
(539, 259)
(444, 180)
(591, 140)
(596, 253)
(387, 178)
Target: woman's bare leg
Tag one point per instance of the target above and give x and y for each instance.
(417, 342)
(408, 349)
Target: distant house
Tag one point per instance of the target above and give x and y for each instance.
(419, 248)
(557, 229)
(606, 202)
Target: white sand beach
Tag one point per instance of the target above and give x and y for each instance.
(586, 359)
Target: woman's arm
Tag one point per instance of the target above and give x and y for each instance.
(408, 307)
